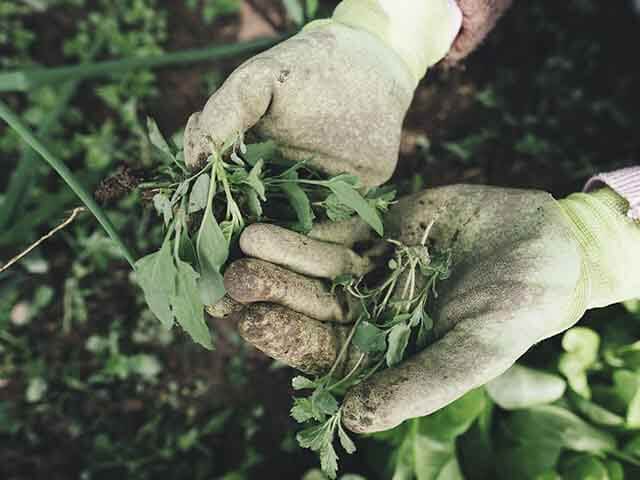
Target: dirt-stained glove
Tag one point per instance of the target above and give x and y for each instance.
(336, 93)
(524, 267)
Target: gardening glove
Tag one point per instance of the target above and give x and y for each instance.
(336, 93)
(524, 268)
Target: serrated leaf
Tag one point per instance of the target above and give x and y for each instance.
(199, 193)
(398, 340)
(345, 440)
(302, 410)
(350, 197)
(156, 274)
(323, 401)
(188, 307)
(329, 460)
(312, 438)
(302, 383)
(369, 338)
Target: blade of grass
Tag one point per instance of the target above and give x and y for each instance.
(24, 80)
(14, 122)
(25, 173)
(22, 177)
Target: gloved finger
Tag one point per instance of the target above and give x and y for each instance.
(300, 253)
(467, 357)
(237, 106)
(346, 232)
(250, 280)
(293, 338)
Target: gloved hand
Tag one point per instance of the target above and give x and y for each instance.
(337, 92)
(524, 267)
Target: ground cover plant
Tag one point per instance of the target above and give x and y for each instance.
(92, 386)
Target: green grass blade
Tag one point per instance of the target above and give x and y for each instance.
(23, 176)
(24, 80)
(14, 122)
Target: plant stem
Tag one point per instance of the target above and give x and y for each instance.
(27, 136)
(25, 80)
(344, 348)
(350, 374)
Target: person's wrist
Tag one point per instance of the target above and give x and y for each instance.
(421, 32)
(610, 241)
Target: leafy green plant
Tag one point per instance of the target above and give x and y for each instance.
(388, 316)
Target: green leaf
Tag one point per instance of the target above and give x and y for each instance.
(595, 413)
(627, 387)
(210, 284)
(254, 179)
(614, 469)
(584, 467)
(324, 402)
(336, 210)
(188, 307)
(522, 387)
(199, 193)
(163, 207)
(312, 438)
(426, 446)
(213, 251)
(302, 383)
(530, 461)
(253, 203)
(456, 418)
(157, 140)
(345, 441)
(329, 460)
(369, 338)
(350, 197)
(260, 151)
(398, 341)
(302, 410)
(581, 346)
(156, 274)
(300, 203)
(557, 427)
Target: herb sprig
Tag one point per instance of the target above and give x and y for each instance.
(390, 315)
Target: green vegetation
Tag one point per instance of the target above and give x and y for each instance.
(92, 386)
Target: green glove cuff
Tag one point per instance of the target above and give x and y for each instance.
(611, 243)
(419, 31)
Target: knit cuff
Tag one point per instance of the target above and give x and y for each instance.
(625, 182)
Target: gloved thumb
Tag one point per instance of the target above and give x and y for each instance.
(465, 358)
(236, 107)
